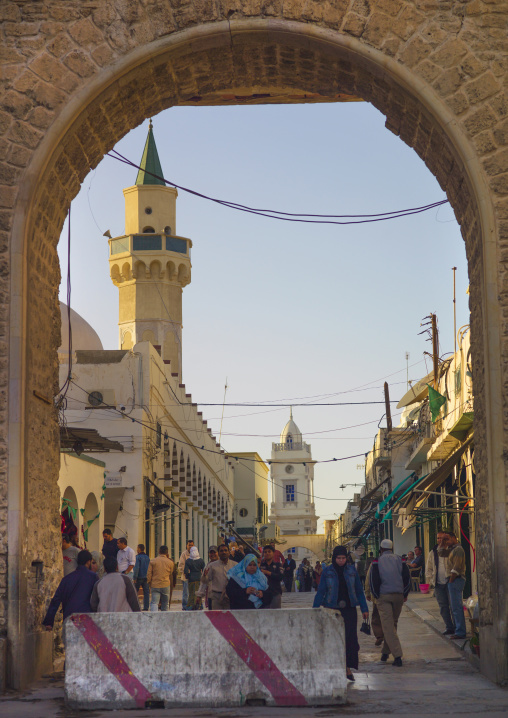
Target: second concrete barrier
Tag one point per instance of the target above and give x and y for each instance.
(205, 659)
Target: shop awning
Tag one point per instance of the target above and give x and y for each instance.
(373, 493)
(79, 440)
(400, 497)
(433, 480)
(396, 491)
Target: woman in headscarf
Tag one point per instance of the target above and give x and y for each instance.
(340, 587)
(193, 570)
(97, 567)
(247, 587)
(316, 574)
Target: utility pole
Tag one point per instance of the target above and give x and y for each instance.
(454, 269)
(387, 408)
(435, 349)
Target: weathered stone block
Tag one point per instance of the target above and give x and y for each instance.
(16, 103)
(482, 87)
(448, 82)
(484, 142)
(354, 24)
(80, 63)
(60, 45)
(449, 54)
(20, 29)
(482, 119)
(48, 68)
(85, 33)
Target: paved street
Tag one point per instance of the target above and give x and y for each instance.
(435, 680)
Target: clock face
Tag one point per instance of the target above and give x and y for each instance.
(289, 469)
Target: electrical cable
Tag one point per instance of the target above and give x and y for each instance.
(289, 216)
(222, 453)
(302, 493)
(311, 434)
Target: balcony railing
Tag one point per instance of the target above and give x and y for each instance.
(302, 446)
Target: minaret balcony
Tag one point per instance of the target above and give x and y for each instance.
(149, 242)
(286, 446)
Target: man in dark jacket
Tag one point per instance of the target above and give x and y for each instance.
(140, 573)
(272, 571)
(389, 585)
(110, 547)
(73, 592)
(288, 570)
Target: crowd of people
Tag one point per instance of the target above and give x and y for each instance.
(112, 580)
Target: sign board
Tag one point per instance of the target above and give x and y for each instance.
(113, 481)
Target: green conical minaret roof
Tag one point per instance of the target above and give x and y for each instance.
(150, 162)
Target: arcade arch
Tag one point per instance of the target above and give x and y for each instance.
(436, 78)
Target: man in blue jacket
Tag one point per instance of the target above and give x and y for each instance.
(73, 592)
(140, 573)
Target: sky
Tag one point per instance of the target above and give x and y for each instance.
(288, 312)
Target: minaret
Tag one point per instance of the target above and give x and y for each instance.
(292, 474)
(151, 264)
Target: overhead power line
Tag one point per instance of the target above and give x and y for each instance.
(289, 216)
(337, 403)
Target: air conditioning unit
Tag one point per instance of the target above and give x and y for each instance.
(101, 399)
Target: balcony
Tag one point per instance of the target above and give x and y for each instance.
(302, 446)
(149, 243)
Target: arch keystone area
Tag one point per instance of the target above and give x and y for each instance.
(79, 76)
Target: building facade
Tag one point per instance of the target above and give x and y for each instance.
(251, 491)
(170, 481)
(420, 476)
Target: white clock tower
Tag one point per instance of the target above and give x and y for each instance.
(292, 475)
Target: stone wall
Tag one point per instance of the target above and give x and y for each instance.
(77, 76)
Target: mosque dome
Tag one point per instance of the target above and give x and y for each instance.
(291, 434)
(83, 335)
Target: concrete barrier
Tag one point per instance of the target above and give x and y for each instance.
(205, 659)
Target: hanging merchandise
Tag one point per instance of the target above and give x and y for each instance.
(66, 505)
(88, 524)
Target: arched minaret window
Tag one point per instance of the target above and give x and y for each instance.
(289, 440)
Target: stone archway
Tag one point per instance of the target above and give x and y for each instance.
(86, 75)
(312, 542)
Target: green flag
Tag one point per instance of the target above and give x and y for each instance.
(436, 401)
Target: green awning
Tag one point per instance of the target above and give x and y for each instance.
(462, 427)
(390, 496)
(399, 498)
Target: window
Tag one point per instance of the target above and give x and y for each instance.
(261, 510)
(158, 436)
(289, 440)
(243, 512)
(290, 493)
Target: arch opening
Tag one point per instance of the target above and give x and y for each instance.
(306, 63)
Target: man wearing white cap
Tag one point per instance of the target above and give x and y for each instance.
(389, 585)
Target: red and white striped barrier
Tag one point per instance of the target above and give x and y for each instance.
(205, 659)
